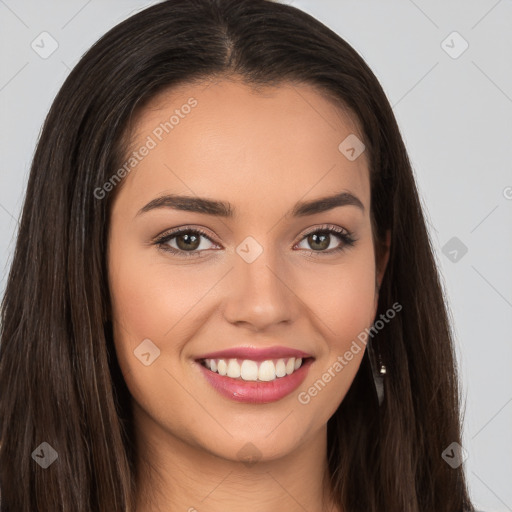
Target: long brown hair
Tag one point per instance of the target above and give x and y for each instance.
(59, 378)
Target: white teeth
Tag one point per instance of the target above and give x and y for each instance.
(267, 371)
(222, 367)
(280, 368)
(233, 369)
(249, 370)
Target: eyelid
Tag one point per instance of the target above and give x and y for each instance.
(324, 227)
(184, 228)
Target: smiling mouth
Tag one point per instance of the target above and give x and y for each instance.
(255, 371)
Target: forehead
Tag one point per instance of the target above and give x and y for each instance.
(219, 138)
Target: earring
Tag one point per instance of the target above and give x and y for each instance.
(378, 371)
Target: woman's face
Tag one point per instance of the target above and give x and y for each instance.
(264, 276)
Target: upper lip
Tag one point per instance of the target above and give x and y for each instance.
(255, 354)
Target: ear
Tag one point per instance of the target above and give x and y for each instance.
(381, 265)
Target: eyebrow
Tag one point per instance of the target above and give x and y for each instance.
(226, 210)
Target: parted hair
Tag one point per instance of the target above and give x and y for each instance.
(60, 382)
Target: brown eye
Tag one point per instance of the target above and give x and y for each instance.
(319, 242)
(187, 242)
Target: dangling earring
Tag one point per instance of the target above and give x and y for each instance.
(378, 371)
(378, 368)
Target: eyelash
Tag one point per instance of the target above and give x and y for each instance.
(345, 236)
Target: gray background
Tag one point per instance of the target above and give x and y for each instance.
(455, 115)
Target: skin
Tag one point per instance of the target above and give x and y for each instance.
(262, 150)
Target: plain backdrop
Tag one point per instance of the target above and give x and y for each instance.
(446, 68)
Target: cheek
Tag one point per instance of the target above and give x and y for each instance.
(150, 302)
(153, 300)
(345, 303)
(344, 309)
(148, 299)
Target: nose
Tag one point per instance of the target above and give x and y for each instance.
(260, 294)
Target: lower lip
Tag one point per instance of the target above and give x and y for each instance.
(256, 392)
